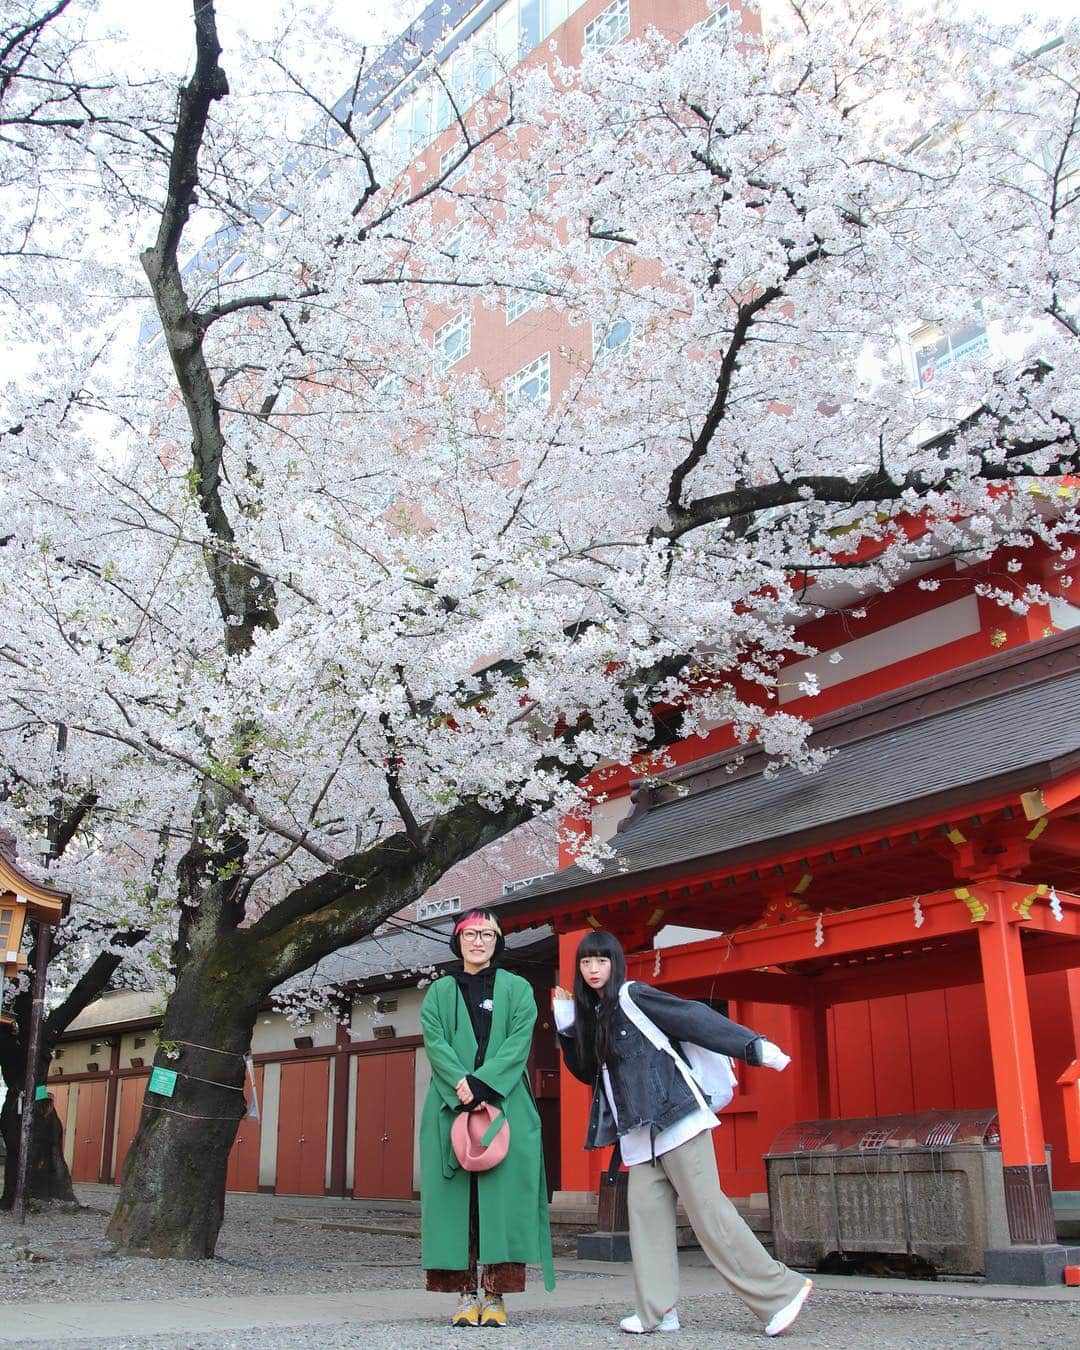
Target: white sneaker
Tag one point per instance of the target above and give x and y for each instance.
(632, 1324)
(783, 1319)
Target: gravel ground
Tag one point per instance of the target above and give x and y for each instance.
(832, 1320)
(255, 1255)
(258, 1256)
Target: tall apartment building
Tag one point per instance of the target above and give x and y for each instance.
(522, 347)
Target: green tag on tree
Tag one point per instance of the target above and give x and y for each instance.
(41, 1092)
(163, 1082)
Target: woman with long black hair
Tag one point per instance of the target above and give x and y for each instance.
(646, 1097)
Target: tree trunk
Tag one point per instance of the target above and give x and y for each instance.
(48, 1170)
(49, 1178)
(172, 1199)
(9, 1128)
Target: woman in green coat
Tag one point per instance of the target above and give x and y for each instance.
(477, 1027)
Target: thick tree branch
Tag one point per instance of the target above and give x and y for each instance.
(244, 594)
(90, 985)
(875, 486)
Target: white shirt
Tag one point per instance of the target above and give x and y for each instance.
(635, 1145)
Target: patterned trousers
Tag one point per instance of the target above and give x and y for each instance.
(500, 1277)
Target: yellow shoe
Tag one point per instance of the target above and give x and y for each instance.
(493, 1313)
(467, 1312)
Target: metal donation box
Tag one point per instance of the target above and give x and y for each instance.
(927, 1184)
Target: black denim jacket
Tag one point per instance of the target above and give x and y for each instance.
(646, 1084)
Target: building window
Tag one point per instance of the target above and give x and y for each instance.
(1064, 161)
(452, 342)
(538, 192)
(531, 384)
(450, 157)
(389, 390)
(600, 247)
(520, 302)
(522, 882)
(469, 68)
(936, 350)
(434, 909)
(718, 25)
(521, 25)
(612, 341)
(610, 26)
(451, 242)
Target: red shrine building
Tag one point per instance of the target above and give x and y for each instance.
(906, 921)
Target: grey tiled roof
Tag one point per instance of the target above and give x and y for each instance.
(117, 1006)
(408, 949)
(998, 738)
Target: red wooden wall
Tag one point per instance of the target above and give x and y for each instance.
(911, 1052)
(926, 1050)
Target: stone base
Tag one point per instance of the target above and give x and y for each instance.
(1044, 1264)
(609, 1247)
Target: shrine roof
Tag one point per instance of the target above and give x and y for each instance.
(1000, 728)
(46, 904)
(404, 952)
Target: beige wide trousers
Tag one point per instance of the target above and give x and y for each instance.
(689, 1174)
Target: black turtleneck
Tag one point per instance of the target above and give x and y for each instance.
(478, 992)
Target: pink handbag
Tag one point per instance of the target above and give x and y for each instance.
(480, 1138)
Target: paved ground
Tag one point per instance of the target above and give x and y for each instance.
(283, 1286)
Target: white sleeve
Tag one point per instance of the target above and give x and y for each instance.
(772, 1057)
(563, 1008)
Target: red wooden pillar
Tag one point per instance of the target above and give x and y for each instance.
(579, 1172)
(112, 1092)
(339, 1130)
(1028, 1203)
(1072, 986)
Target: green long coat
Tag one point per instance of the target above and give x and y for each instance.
(512, 1197)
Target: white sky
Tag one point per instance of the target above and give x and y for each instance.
(162, 28)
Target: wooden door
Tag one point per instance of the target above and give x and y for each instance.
(89, 1130)
(243, 1173)
(60, 1093)
(132, 1091)
(385, 1090)
(301, 1141)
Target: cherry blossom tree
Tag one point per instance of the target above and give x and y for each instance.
(53, 105)
(322, 611)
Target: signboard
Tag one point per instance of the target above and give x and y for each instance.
(163, 1082)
